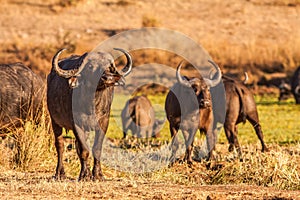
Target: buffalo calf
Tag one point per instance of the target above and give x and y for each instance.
(138, 116)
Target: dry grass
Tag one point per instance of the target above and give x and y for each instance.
(254, 35)
(28, 164)
(257, 56)
(30, 146)
(31, 149)
(150, 21)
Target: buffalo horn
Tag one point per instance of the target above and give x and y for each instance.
(60, 71)
(127, 69)
(179, 78)
(246, 78)
(214, 82)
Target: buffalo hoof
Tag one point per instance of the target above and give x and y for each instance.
(208, 166)
(231, 148)
(98, 178)
(189, 162)
(265, 149)
(86, 176)
(59, 177)
(175, 160)
(217, 166)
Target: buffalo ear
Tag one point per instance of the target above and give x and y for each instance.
(73, 82)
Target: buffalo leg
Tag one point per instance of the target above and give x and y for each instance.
(189, 144)
(211, 142)
(236, 142)
(174, 144)
(231, 134)
(59, 145)
(124, 133)
(255, 123)
(83, 153)
(125, 129)
(97, 151)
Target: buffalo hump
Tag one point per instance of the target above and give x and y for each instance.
(21, 91)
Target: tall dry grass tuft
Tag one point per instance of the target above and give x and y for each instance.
(31, 144)
(279, 168)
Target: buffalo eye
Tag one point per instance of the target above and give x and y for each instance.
(89, 65)
(112, 68)
(195, 88)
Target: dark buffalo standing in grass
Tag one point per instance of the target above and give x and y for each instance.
(79, 96)
(188, 108)
(138, 116)
(295, 85)
(285, 89)
(21, 95)
(240, 106)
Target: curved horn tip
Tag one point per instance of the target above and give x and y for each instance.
(118, 49)
(55, 57)
(129, 62)
(179, 78)
(61, 50)
(213, 83)
(180, 65)
(59, 71)
(246, 78)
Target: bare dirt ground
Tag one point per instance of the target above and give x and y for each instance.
(234, 32)
(41, 186)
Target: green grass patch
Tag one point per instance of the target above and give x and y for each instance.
(279, 121)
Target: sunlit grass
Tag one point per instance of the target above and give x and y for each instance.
(278, 168)
(279, 121)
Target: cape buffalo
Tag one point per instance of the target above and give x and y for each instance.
(188, 107)
(79, 96)
(21, 95)
(240, 105)
(138, 116)
(285, 89)
(295, 85)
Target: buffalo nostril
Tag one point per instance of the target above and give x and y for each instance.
(207, 104)
(204, 103)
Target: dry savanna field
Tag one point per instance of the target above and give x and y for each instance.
(260, 37)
